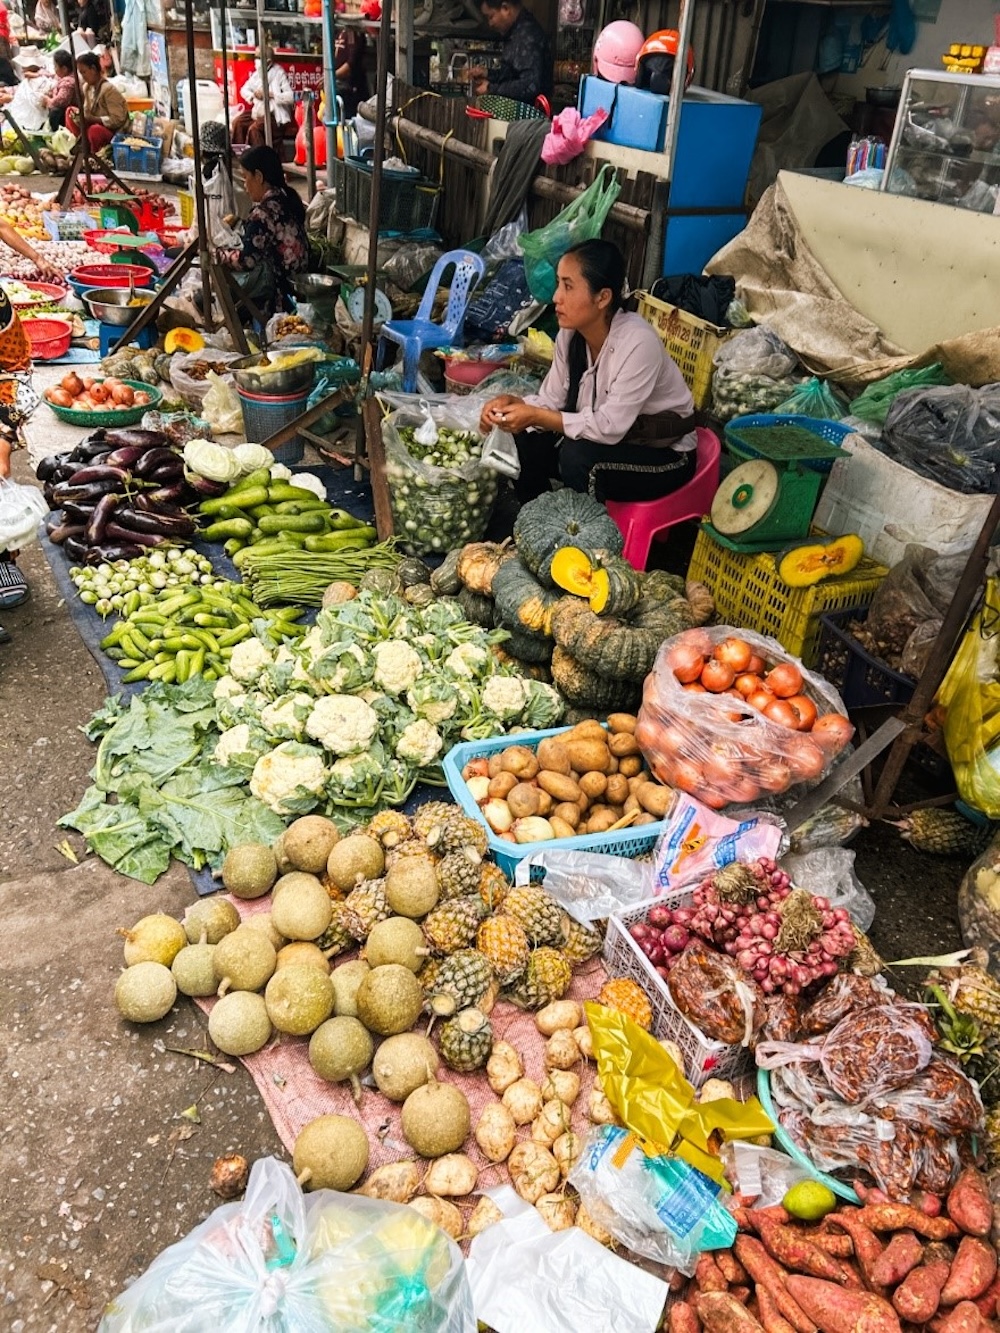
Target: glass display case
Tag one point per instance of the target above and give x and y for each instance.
(946, 141)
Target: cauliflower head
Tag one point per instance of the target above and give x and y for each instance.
(342, 723)
(505, 696)
(396, 666)
(468, 659)
(341, 668)
(356, 779)
(286, 717)
(227, 688)
(238, 747)
(250, 658)
(544, 705)
(433, 698)
(420, 743)
(290, 779)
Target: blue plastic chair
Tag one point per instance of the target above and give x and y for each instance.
(416, 335)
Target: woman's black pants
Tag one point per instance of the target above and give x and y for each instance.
(624, 472)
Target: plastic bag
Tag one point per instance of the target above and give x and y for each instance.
(698, 841)
(221, 407)
(506, 242)
(716, 995)
(916, 591)
(569, 135)
(281, 1262)
(979, 905)
(716, 746)
(411, 262)
(582, 220)
(588, 885)
(22, 508)
(950, 434)
(192, 390)
(754, 372)
(760, 1173)
(874, 402)
(437, 507)
(500, 454)
(178, 427)
(970, 696)
(494, 307)
(657, 1206)
(814, 398)
(829, 873)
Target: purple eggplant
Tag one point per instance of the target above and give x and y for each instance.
(159, 524)
(80, 514)
(165, 475)
(47, 467)
(125, 436)
(155, 458)
(108, 552)
(203, 486)
(64, 471)
(64, 493)
(119, 534)
(65, 532)
(127, 455)
(77, 550)
(162, 497)
(101, 518)
(99, 472)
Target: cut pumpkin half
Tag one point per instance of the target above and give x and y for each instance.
(805, 565)
(609, 583)
(183, 340)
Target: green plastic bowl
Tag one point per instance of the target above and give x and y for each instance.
(122, 416)
(794, 1152)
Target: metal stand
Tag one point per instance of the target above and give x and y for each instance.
(21, 137)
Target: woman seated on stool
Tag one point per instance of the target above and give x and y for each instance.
(613, 416)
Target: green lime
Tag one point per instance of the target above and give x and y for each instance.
(809, 1200)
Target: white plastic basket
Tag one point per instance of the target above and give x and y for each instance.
(703, 1059)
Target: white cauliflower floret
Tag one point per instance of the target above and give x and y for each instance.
(290, 780)
(286, 716)
(249, 659)
(504, 695)
(396, 666)
(419, 743)
(342, 723)
(233, 741)
(227, 688)
(432, 697)
(308, 481)
(468, 659)
(280, 473)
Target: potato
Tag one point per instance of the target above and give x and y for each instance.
(520, 761)
(622, 722)
(566, 1150)
(553, 755)
(561, 1051)
(568, 812)
(496, 1132)
(616, 792)
(599, 1109)
(593, 1229)
(590, 756)
(523, 800)
(561, 1084)
(583, 804)
(590, 730)
(439, 1211)
(452, 1175)
(504, 1067)
(638, 780)
(715, 1089)
(623, 745)
(560, 829)
(601, 820)
(558, 1212)
(612, 765)
(532, 829)
(502, 785)
(523, 1100)
(584, 1042)
(630, 766)
(632, 804)
(644, 818)
(533, 1171)
(560, 1014)
(558, 785)
(397, 1182)
(545, 803)
(553, 1120)
(493, 764)
(655, 799)
(484, 1215)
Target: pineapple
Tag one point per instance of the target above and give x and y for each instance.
(944, 833)
(992, 1136)
(336, 893)
(337, 938)
(540, 915)
(975, 993)
(432, 814)
(580, 942)
(453, 925)
(459, 873)
(505, 944)
(365, 907)
(463, 979)
(546, 978)
(493, 886)
(466, 1040)
(456, 831)
(390, 828)
(413, 847)
(628, 998)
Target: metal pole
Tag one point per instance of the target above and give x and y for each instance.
(224, 52)
(265, 87)
(199, 184)
(330, 115)
(367, 327)
(307, 125)
(64, 20)
(685, 22)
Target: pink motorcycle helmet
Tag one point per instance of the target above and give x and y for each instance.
(615, 51)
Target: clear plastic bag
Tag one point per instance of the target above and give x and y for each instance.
(874, 402)
(979, 905)
(814, 398)
(193, 391)
(698, 841)
(221, 407)
(178, 427)
(506, 242)
(22, 508)
(916, 591)
(760, 1173)
(756, 351)
(829, 873)
(589, 885)
(949, 434)
(716, 746)
(716, 995)
(410, 262)
(281, 1262)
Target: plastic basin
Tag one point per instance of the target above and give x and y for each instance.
(111, 275)
(49, 336)
(471, 371)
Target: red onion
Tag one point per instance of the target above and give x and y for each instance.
(821, 904)
(660, 916)
(683, 916)
(676, 938)
(747, 959)
(769, 931)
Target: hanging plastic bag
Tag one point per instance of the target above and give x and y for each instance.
(915, 592)
(814, 398)
(569, 135)
(22, 508)
(979, 905)
(873, 404)
(506, 242)
(970, 696)
(582, 220)
(281, 1262)
(221, 407)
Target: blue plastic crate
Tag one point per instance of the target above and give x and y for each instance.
(137, 161)
(625, 842)
(831, 432)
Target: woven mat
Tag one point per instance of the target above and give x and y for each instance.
(294, 1094)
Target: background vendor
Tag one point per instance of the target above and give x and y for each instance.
(613, 416)
(526, 65)
(105, 112)
(248, 127)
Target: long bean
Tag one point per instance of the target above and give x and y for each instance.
(303, 576)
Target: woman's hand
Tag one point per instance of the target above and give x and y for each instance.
(46, 269)
(516, 416)
(488, 417)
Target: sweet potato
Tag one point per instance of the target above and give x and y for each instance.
(899, 1216)
(796, 1252)
(973, 1271)
(707, 1275)
(766, 1273)
(838, 1311)
(899, 1257)
(969, 1205)
(741, 1294)
(867, 1246)
(769, 1314)
(678, 1281)
(730, 1267)
(986, 1304)
(965, 1318)
(721, 1313)
(775, 1213)
(834, 1242)
(682, 1319)
(917, 1297)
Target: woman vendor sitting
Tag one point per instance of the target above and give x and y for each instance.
(274, 244)
(613, 416)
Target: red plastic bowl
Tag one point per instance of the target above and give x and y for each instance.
(49, 336)
(111, 275)
(44, 293)
(468, 370)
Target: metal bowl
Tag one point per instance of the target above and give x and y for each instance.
(310, 286)
(250, 374)
(112, 305)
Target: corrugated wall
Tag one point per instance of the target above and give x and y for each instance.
(725, 34)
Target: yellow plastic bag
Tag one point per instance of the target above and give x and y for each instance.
(970, 696)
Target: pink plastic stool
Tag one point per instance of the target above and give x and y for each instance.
(642, 520)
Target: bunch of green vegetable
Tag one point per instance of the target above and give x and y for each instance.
(179, 633)
(302, 575)
(452, 448)
(125, 585)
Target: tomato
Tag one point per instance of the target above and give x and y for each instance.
(784, 680)
(717, 676)
(734, 652)
(805, 711)
(685, 661)
(748, 683)
(831, 732)
(782, 712)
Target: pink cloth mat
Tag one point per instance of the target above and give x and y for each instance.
(294, 1094)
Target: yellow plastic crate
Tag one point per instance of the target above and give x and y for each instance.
(749, 593)
(691, 342)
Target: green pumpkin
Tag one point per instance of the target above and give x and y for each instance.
(419, 594)
(522, 602)
(528, 647)
(479, 610)
(445, 580)
(412, 572)
(385, 582)
(585, 688)
(611, 647)
(562, 518)
(609, 583)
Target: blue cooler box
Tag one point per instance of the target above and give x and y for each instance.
(690, 241)
(717, 137)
